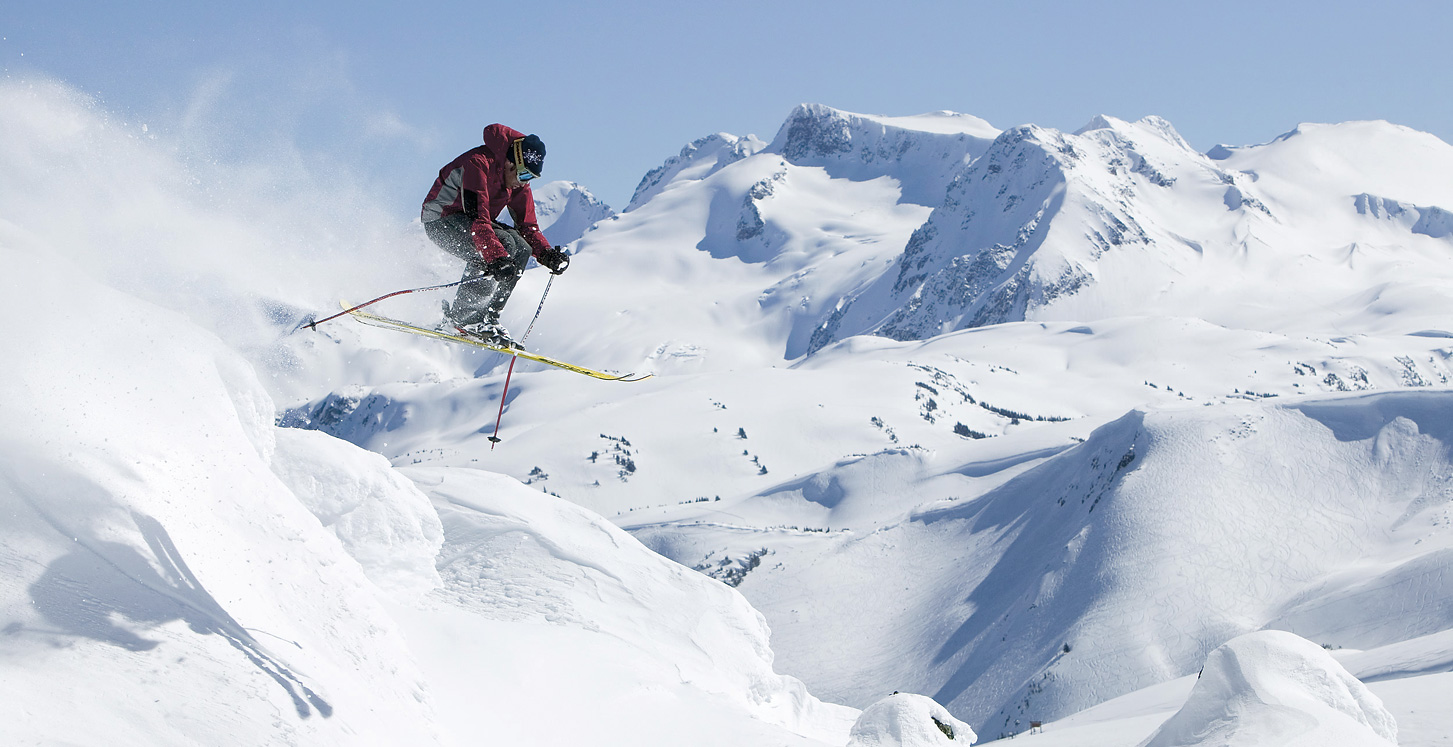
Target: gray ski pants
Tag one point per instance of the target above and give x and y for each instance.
(487, 287)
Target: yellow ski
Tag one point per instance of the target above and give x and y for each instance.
(387, 323)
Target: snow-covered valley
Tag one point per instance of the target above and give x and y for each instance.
(1039, 425)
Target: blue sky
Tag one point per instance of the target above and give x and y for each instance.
(388, 92)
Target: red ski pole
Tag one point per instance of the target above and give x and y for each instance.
(494, 437)
(313, 325)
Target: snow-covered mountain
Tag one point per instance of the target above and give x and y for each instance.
(567, 210)
(1126, 218)
(1036, 424)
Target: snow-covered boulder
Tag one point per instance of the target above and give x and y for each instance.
(905, 720)
(1276, 688)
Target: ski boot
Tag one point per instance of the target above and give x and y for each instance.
(494, 335)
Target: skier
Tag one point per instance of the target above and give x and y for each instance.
(459, 216)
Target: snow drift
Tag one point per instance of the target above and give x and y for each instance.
(151, 553)
(1274, 688)
(383, 521)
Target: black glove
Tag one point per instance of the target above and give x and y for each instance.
(502, 267)
(555, 259)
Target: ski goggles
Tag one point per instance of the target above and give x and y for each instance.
(523, 171)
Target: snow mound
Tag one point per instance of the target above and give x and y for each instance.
(552, 575)
(904, 720)
(383, 521)
(1276, 688)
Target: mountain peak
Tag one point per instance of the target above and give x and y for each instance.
(816, 130)
(1157, 126)
(1099, 122)
(922, 152)
(698, 159)
(566, 210)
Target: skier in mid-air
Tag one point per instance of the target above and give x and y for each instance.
(459, 216)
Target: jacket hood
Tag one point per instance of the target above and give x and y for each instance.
(497, 139)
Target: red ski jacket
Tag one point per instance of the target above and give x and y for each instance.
(473, 184)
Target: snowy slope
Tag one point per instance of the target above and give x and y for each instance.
(170, 541)
(151, 554)
(196, 575)
(1114, 564)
